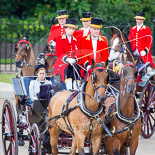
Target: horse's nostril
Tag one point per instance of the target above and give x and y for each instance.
(18, 63)
(130, 88)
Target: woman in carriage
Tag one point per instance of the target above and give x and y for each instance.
(34, 87)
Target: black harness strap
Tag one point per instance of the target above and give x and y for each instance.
(65, 112)
(70, 98)
(104, 126)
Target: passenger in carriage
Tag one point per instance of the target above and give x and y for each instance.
(141, 40)
(57, 30)
(85, 30)
(94, 46)
(34, 87)
(67, 45)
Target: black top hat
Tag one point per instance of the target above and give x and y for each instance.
(140, 15)
(86, 16)
(70, 22)
(39, 66)
(96, 22)
(62, 14)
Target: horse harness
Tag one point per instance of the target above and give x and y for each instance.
(130, 77)
(82, 107)
(129, 121)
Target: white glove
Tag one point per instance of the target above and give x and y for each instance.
(136, 52)
(142, 53)
(88, 67)
(53, 43)
(71, 61)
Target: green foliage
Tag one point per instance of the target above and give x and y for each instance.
(10, 27)
(40, 15)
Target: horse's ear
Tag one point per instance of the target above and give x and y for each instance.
(27, 37)
(123, 59)
(93, 63)
(18, 35)
(135, 62)
(113, 31)
(106, 63)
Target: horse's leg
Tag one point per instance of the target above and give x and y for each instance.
(74, 146)
(96, 144)
(108, 145)
(80, 138)
(112, 146)
(54, 135)
(133, 146)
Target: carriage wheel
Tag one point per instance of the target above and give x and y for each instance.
(9, 129)
(34, 141)
(147, 105)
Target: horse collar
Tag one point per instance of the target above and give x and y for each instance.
(127, 119)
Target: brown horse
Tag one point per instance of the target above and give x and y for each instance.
(25, 60)
(123, 118)
(50, 58)
(24, 57)
(93, 93)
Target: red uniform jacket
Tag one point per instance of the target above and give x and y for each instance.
(55, 32)
(141, 40)
(63, 49)
(79, 33)
(102, 52)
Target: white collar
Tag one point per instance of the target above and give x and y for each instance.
(94, 38)
(139, 26)
(86, 28)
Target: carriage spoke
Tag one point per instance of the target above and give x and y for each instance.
(149, 124)
(9, 149)
(7, 121)
(13, 146)
(33, 142)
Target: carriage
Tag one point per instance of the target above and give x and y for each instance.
(32, 121)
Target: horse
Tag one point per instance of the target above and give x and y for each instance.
(88, 102)
(50, 58)
(123, 116)
(25, 60)
(24, 56)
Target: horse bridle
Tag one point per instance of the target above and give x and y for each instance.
(93, 77)
(130, 77)
(27, 46)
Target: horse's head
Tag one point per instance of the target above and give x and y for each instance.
(118, 44)
(99, 79)
(22, 51)
(128, 78)
(121, 45)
